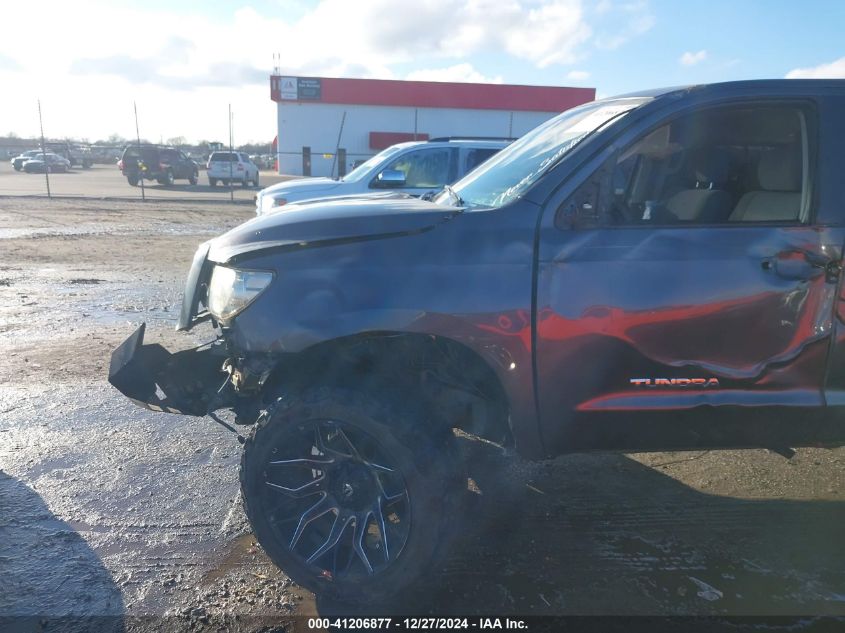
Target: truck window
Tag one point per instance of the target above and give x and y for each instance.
(224, 157)
(727, 165)
(428, 168)
(477, 156)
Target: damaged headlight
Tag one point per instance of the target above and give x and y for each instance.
(231, 290)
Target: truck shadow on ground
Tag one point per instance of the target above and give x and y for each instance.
(603, 534)
(50, 579)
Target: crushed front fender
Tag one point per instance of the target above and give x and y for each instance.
(188, 382)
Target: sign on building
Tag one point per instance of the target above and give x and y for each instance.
(299, 89)
(309, 89)
(288, 88)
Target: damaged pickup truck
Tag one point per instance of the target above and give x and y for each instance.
(649, 272)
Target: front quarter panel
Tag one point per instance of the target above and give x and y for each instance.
(468, 280)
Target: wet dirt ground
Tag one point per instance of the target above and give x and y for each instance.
(110, 510)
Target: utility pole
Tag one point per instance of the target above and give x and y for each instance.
(138, 138)
(231, 156)
(44, 151)
(337, 145)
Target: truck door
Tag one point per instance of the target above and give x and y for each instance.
(686, 283)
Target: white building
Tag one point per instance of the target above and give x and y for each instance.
(327, 125)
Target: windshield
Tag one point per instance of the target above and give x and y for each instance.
(362, 170)
(508, 174)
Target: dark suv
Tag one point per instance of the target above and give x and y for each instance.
(655, 271)
(153, 162)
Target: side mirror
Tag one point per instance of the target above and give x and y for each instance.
(390, 178)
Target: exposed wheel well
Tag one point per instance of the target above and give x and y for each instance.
(458, 385)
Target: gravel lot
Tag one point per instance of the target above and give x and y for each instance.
(110, 510)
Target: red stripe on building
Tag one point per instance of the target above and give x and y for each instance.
(436, 94)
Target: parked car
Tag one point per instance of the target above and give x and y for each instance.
(231, 167)
(153, 162)
(259, 160)
(418, 168)
(77, 155)
(46, 162)
(650, 272)
(18, 161)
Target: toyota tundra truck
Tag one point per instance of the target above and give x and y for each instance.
(655, 271)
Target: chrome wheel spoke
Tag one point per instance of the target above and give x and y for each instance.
(349, 443)
(324, 448)
(361, 522)
(338, 527)
(389, 500)
(326, 504)
(313, 462)
(378, 467)
(380, 517)
(311, 488)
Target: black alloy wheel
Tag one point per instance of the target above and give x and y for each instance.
(348, 506)
(346, 501)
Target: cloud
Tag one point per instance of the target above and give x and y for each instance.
(130, 68)
(551, 34)
(458, 72)
(577, 75)
(7, 63)
(832, 70)
(331, 38)
(154, 71)
(691, 59)
(177, 73)
(622, 22)
(540, 31)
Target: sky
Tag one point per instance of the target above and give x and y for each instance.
(184, 62)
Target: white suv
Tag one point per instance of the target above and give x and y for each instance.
(229, 167)
(417, 168)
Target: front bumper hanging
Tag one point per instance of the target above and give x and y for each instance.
(187, 382)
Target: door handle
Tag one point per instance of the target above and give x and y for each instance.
(801, 265)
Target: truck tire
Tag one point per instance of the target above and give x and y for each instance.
(132, 180)
(212, 182)
(167, 179)
(352, 497)
(192, 179)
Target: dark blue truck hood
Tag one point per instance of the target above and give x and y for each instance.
(328, 221)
